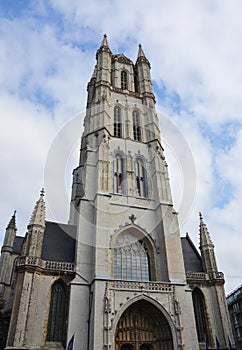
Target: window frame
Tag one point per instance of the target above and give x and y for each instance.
(117, 125)
(140, 177)
(131, 259)
(124, 80)
(56, 331)
(119, 174)
(136, 125)
(200, 314)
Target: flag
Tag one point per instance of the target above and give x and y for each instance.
(206, 343)
(217, 344)
(71, 343)
(230, 345)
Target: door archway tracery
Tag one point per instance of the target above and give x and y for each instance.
(143, 327)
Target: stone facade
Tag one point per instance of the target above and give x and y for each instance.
(127, 281)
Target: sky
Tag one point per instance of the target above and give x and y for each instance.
(47, 55)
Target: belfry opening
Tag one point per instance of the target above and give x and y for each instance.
(143, 327)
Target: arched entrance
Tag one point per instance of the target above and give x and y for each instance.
(143, 327)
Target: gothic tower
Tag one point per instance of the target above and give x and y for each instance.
(129, 258)
(118, 276)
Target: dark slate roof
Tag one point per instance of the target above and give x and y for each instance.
(17, 245)
(59, 242)
(192, 259)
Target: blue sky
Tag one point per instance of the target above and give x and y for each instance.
(47, 55)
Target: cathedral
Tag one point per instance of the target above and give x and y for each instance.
(118, 275)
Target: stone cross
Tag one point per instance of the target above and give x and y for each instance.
(132, 218)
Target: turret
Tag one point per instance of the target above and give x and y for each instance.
(206, 248)
(142, 65)
(7, 249)
(36, 227)
(10, 235)
(104, 58)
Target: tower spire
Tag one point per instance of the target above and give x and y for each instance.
(205, 239)
(207, 248)
(141, 56)
(104, 46)
(38, 215)
(105, 41)
(12, 222)
(140, 52)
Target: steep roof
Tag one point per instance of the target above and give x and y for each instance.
(59, 242)
(17, 245)
(192, 259)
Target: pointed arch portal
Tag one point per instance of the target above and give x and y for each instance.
(143, 327)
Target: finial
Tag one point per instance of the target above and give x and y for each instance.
(42, 192)
(105, 41)
(200, 216)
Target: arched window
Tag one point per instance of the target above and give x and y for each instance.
(140, 178)
(119, 173)
(124, 84)
(136, 126)
(117, 122)
(131, 259)
(200, 316)
(57, 314)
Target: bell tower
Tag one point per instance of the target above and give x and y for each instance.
(129, 257)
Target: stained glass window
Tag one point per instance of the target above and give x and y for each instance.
(131, 259)
(200, 317)
(56, 322)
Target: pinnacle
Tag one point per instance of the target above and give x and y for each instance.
(38, 215)
(105, 41)
(141, 56)
(140, 52)
(204, 234)
(12, 222)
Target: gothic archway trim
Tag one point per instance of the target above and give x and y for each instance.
(138, 234)
(132, 228)
(151, 301)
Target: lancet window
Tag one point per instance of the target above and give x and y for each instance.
(136, 126)
(140, 178)
(56, 322)
(117, 122)
(119, 174)
(124, 80)
(200, 315)
(131, 259)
